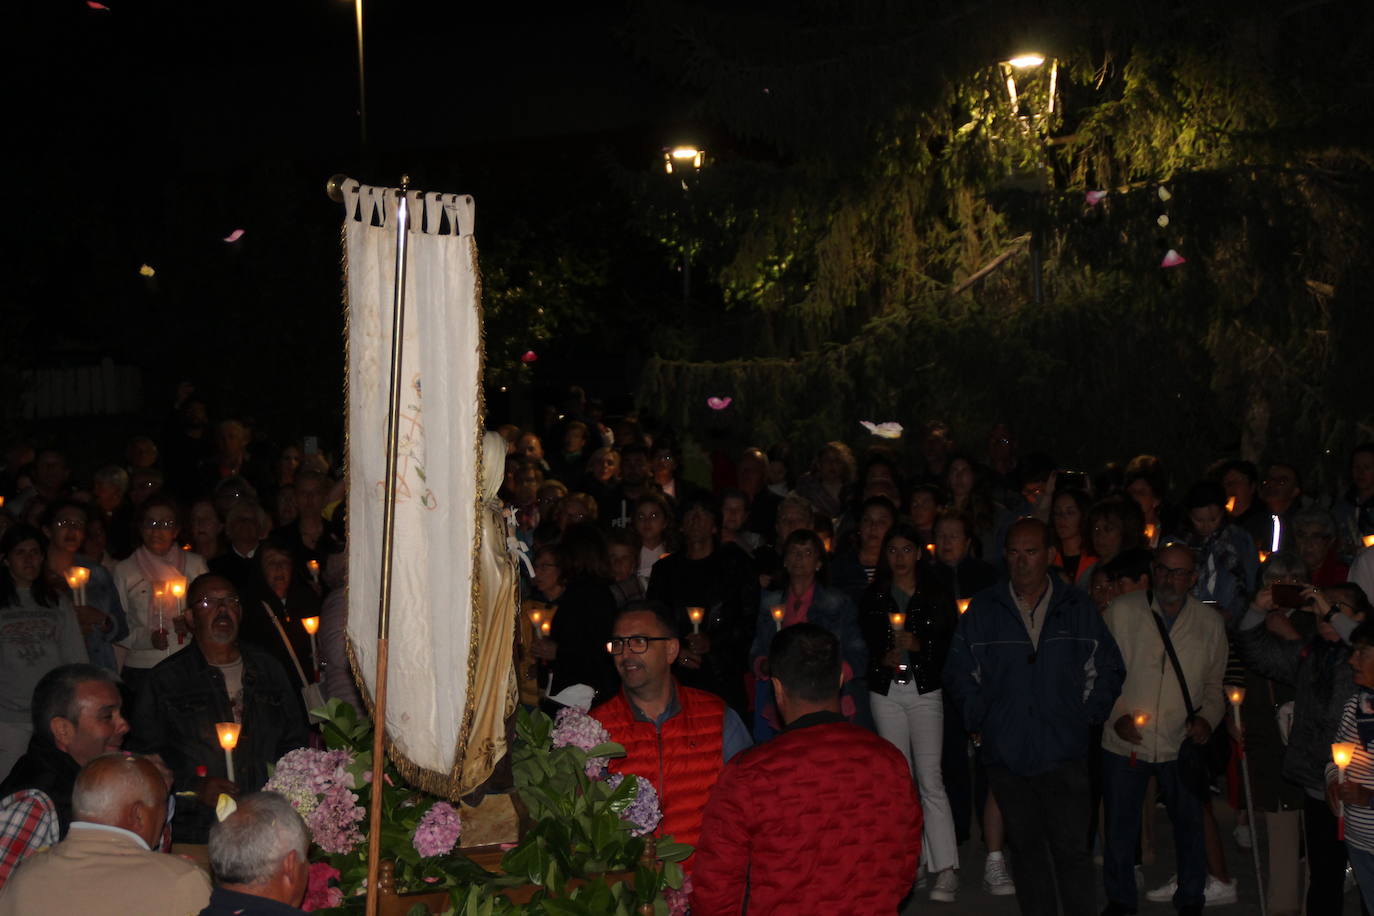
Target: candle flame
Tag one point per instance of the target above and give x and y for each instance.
(311, 624)
(1141, 718)
(536, 616)
(777, 612)
(1230, 505)
(898, 620)
(1149, 532)
(1342, 752)
(1263, 556)
(73, 577)
(546, 628)
(963, 605)
(228, 733)
(177, 589)
(1368, 540)
(696, 614)
(186, 547)
(313, 566)
(1236, 695)
(930, 548)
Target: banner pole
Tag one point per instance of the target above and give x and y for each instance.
(398, 305)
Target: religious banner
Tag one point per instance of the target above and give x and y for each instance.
(451, 681)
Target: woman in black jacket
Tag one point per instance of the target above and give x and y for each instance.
(908, 620)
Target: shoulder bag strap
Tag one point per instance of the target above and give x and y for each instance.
(1169, 648)
(291, 650)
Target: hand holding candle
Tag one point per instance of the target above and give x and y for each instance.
(1342, 752)
(696, 615)
(228, 733)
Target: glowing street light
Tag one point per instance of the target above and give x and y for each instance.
(683, 157)
(1023, 61)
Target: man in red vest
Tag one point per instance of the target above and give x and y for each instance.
(676, 737)
(823, 818)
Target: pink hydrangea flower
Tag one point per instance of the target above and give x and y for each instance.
(438, 830)
(318, 893)
(574, 728)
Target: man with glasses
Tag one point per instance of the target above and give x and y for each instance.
(216, 678)
(1151, 720)
(676, 737)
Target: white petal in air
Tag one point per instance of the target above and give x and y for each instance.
(1164, 193)
(1094, 197)
(889, 430)
(146, 271)
(1163, 220)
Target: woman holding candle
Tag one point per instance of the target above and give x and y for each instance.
(1350, 773)
(98, 611)
(907, 621)
(143, 583)
(38, 632)
(805, 597)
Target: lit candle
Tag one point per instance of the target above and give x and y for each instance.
(777, 612)
(1368, 540)
(312, 626)
(1263, 556)
(696, 615)
(73, 577)
(186, 547)
(536, 616)
(85, 575)
(963, 604)
(1140, 718)
(1341, 752)
(1150, 533)
(1230, 505)
(1236, 694)
(546, 627)
(228, 739)
(931, 549)
(898, 620)
(314, 567)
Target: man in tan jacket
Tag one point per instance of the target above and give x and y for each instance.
(106, 864)
(1151, 720)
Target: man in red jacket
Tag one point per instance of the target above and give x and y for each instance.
(676, 737)
(823, 818)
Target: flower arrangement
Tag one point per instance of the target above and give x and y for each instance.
(590, 828)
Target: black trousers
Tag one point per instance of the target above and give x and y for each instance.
(1044, 817)
(1326, 859)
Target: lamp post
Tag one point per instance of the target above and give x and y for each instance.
(684, 160)
(362, 79)
(1023, 63)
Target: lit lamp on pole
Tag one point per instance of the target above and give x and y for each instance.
(228, 733)
(1342, 752)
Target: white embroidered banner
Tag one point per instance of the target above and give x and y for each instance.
(451, 623)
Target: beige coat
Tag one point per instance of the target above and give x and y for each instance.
(1151, 687)
(99, 872)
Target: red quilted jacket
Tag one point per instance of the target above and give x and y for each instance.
(682, 763)
(823, 819)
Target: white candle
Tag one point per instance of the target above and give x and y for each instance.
(228, 733)
(696, 615)
(777, 612)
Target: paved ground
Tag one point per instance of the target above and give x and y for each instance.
(973, 899)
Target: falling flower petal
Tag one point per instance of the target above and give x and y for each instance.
(718, 403)
(1172, 259)
(889, 430)
(1163, 220)
(234, 236)
(528, 356)
(1094, 197)
(146, 271)
(97, 6)
(1164, 193)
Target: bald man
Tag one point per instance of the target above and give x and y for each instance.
(106, 864)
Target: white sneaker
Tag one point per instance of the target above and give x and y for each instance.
(1215, 893)
(1244, 838)
(996, 880)
(946, 886)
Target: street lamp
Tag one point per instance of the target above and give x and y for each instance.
(1023, 62)
(684, 159)
(681, 156)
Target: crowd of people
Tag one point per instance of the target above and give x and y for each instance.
(1043, 651)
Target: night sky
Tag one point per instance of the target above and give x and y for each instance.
(148, 132)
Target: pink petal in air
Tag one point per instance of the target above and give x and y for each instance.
(718, 403)
(528, 356)
(1172, 259)
(234, 236)
(1094, 197)
(97, 6)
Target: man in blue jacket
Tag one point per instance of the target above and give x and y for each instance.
(1031, 669)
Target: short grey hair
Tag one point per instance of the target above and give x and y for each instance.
(247, 847)
(107, 785)
(1314, 517)
(1285, 565)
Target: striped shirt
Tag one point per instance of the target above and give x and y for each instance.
(1357, 727)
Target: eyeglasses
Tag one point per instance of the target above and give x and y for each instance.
(637, 645)
(1166, 572)
(208, 603)
(69, 523)
(163, 523)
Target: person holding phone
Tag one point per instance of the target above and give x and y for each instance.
(1271, 644)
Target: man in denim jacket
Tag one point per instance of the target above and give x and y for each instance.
(216, 678)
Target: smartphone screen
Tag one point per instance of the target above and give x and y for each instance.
(1286, 595)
